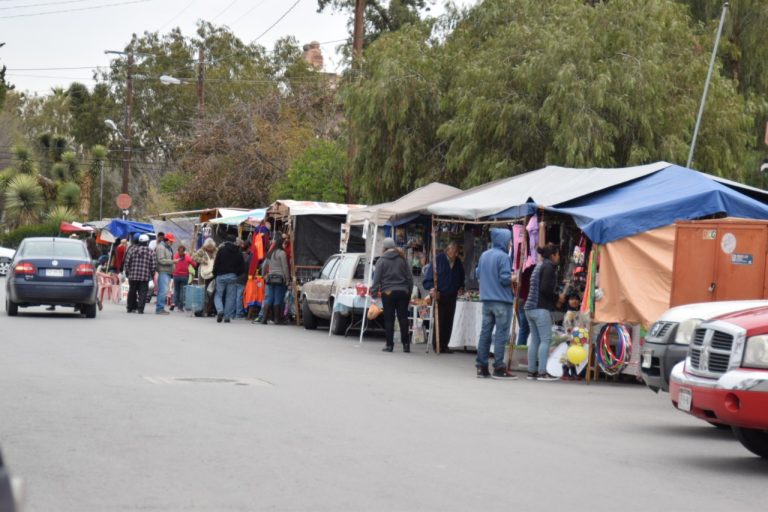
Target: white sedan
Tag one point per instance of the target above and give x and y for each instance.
(6, 256)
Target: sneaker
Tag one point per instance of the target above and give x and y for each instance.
(483, 373)
(532, 376)
(547, 377)
(503, 374)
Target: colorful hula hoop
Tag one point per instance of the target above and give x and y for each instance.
(610, 361)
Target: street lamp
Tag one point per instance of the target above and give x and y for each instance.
(169, 80)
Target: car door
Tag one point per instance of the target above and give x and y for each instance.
(317, 292)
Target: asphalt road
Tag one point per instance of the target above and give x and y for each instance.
(176, 413)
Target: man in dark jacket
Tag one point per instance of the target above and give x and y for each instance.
(226, 267)
(394, 280)
(140, 266)
(450, 284)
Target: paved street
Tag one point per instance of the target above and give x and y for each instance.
(176, 413)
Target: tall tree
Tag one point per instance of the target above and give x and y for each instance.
(380, 16)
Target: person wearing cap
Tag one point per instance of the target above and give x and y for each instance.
(394, 281)
(164, 255)
(226, 267)
(140, 265)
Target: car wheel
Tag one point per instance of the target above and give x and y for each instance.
(5, 266)
(89, 310)
(11, 307)
(753, 439)
(340, 324)
(310, 320)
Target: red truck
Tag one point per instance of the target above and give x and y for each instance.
(724, 378)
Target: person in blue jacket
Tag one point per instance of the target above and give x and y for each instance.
(450, 284)
(494, 271)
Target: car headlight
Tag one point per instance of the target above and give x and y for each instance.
(685, 330)
(756, 352)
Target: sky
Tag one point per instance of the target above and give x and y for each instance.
(51, 43)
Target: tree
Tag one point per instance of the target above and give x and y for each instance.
(89, 110)
(316, 175)
(98, 160)
(23, 200)
(380, 17)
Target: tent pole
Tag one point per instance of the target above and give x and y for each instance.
(592, 370)
(369, 282)
(436, 298)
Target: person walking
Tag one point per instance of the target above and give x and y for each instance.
(242, 279)
(393, 279)
(119, 258)
(181, 263)
(204, 257)
(165, 263)
(226, 267)
(542, 298)
(494, 271)
(277, 274)
(450, 284)
(140, 266)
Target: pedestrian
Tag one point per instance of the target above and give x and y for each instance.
(542, 298)
(494, 271)
(394, 281)
(120, 255)
(94, 253)
(164, 254)
(450, 284)
(277, 274)
(204, 257)
(242, 279)
(181, 263)
(226, 267)
(140, 266)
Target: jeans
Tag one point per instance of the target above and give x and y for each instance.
(524, 330)
(396, 303)
(497, 314)
(179, 282)
(540, 321)
(239, 308)
(163, 283)
(225, 296)
(274, 296)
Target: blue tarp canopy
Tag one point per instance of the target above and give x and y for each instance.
(656, 200)
(122, 228)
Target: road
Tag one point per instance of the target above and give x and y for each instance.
(149, 413)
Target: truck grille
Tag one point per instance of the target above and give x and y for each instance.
(660, 329)
(710, 352)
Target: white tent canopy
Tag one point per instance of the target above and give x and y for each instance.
(413, 202)
(289, 207)
(545, 187)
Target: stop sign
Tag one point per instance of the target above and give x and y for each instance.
(124, 201)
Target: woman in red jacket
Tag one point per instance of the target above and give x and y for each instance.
(181, 263)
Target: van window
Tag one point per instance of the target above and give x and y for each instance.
(51, 249)
(346, 267)
(360, 270)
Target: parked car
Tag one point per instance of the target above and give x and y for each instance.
(667, 341)
(51, 272)
(6, 256)
(724, 378)
(340, 271)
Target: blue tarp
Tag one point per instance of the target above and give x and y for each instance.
(122, 228)
(657, 200)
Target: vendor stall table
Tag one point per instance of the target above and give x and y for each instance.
(467, 324)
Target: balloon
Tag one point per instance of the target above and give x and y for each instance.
(576, 354)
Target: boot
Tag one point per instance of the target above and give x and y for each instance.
(406, 347)
(388, 348)
(266, 313)
(277, 314)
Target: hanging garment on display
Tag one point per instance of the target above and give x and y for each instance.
(518, 236)
(533, 239)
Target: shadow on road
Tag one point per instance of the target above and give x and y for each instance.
(744, 465)
(703, 431)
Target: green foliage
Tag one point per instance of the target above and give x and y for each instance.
(6, 175)
(89, 110)
(316, 175)
(68, 195)
(23, 160)
(13, 238)
(23, 200)
(59, 214)
(59, 172)
(172, 182)
(69, 158)
(380, 17)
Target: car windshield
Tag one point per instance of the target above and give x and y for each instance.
(329, 269)
(51, 249)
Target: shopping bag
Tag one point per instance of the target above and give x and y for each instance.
(374, 311)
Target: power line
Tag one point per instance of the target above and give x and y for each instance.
(64, 11)
(176, 16)
(278, 20)
(249, 11)
(53, 69)
(44, 4)
(224, 10)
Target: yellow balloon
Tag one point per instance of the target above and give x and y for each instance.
(576, 354)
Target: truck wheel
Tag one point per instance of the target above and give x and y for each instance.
(754, 440)
(11, 307)
(340, 324)
(310, 321)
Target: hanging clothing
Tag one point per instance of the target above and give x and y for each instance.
(533, 240)
(518, 236)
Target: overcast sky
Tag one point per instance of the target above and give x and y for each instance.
(40, 46)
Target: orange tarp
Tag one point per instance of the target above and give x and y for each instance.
(636, 277)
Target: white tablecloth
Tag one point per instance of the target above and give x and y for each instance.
(467, 324)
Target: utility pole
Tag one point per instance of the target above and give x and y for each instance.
(201, 81)
(127, 129)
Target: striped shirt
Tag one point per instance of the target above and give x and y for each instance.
(140, 263)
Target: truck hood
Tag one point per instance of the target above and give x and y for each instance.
(754, 320)
(709, 310)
